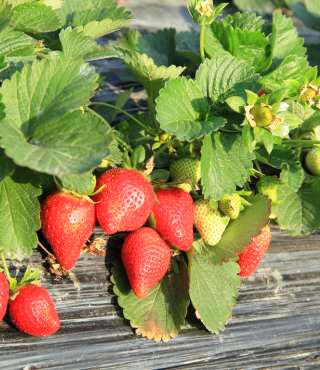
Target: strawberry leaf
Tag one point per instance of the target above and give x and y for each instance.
(161, 314)
(298, 212)
(240, 232)
(259, 6)
(151, 76)
(19, 215)
(15, 44)
(241, 36)
(34, 17)
(76, 44)
(5, 14)
(213, 287)
(223, 76)
(83, 184)
(43, 129)
(225, 164)
(98, 17)
(248, 21)
(291, 68)
(285, 39)
(78, 148)
(160, 46)
(182, 110)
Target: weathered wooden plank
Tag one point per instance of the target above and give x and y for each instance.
(276, 323)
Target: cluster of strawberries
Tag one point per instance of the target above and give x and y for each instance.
(124, 202)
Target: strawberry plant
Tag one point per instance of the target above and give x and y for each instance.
(185, 188)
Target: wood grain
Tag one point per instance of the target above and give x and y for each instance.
(276, 323)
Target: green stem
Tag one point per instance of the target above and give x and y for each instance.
(257, 165)
(230, 131)
(305, 143)
(124, 144)
(5, 266)
(138, 122)
(202, 34)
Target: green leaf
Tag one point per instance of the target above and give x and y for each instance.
(224, 76)
(115, 156)
(251, 46)
(83, 184)
(15, 44)
(292, 68)
(76, 45)
(236, 103)
(265, 137)
(240, 232)
(5, 14)
(298, 212)
(102, 18)
(151, 76)
(35, 17)
(160, 46)
(213, 287)
(244, 21)
(41, 130)
(287, 160)
(161, 314)
(74, 143)
(183, 110)
(259, 6)
(44, 91)
(240, 34)
(285, 39)
(138, 156)
(187, 48)
(311, 122)
(293, 175)
(19, 216)
(212, 45)
(225, 164)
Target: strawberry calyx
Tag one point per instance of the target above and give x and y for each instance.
(30, 276)
(79, 195)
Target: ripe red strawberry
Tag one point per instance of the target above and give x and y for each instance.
(4, 295)
(33, 312)
(67, 223)
(125, 202)
(146, 258)
(173, 216)
(250, 257)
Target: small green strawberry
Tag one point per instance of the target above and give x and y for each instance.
(209, 222)
(186, 170)
(230, 205)
(313, 161)
(263, 115)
